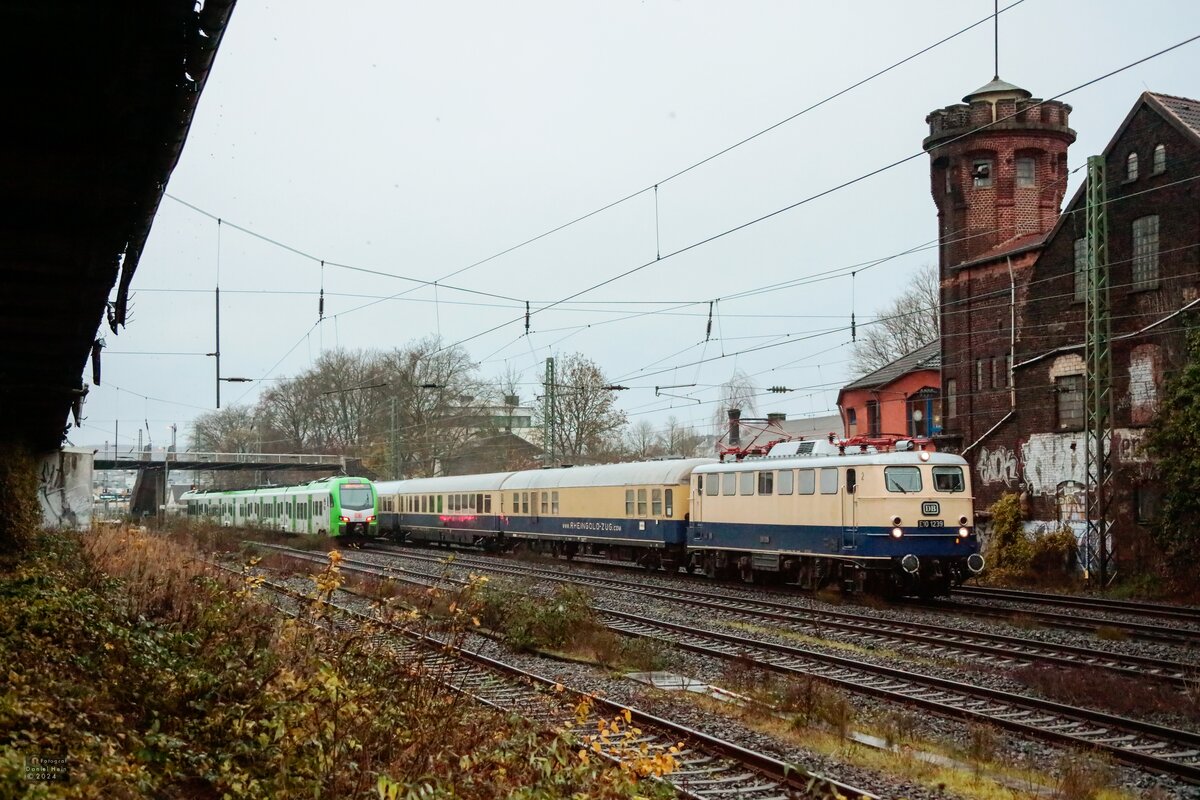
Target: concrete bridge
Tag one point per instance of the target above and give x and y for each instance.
(174, 461)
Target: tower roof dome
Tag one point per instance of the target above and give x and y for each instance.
(996, 89)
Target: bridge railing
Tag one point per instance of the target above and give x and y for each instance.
(159, 455)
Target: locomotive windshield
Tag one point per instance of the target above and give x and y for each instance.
(902, 479)
(948, 479)
(356, 498)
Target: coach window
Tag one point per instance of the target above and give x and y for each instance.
(729, 483)
(554, 502)
(902, 479)
(670, 493)
(784, 482)
(766, 483)
(424, 504)
(641, 502)
(487, 504)
(516, 509)
(524, 502)
(656, 502)
(746, 483)
(806, 481)
(829, 480)
(545, 503)
(629, 502)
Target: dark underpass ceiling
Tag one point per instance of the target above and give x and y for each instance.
(99, 101)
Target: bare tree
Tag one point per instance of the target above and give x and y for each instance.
(642, 440)
(904, 325)
(586, 420)
(227, 430)
(737, 392)
(677, 439)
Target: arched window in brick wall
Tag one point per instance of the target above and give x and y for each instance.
(1160, 160)
(1131, 167)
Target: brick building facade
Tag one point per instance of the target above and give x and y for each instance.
(1013, 288)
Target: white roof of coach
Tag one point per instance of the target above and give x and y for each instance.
(669, 471)
(451, 483)
(848, 460)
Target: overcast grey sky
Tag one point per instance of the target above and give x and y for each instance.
(417, 139)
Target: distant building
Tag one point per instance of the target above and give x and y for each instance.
(901, 398)
(1013, 285)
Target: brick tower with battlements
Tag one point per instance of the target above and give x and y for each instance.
(998, 170)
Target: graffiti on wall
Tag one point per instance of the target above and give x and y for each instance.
(1071, 500)
(1051, 459)
(997, 465)
(65, 489)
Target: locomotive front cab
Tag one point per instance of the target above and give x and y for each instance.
(918, 511)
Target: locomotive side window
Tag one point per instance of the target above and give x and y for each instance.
(807, 482)
(948, 479)
(656, 502)
(746, 483)
(670, 501)
(829, 480)
(902, 479)
(766, 483)
(784, 481)
(728, 483)
(713, 487)
(629, 502)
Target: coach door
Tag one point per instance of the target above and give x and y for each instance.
(849, 498)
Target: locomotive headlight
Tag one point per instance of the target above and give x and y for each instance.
(897, 533)
(963, 532)
(962, 520)
(896, 520)
(924, 456)
(371, 518)
(344, 519)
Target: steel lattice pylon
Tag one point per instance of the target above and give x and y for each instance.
(1099, 398)
(550, 411)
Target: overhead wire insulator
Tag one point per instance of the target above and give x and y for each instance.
(526, 317)
(708, 328)
(321, 298)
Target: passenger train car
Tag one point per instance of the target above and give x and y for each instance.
(812, 513)
(338, 506)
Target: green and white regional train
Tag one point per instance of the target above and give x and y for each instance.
(338, 506)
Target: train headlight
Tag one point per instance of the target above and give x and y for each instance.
(924, 456)
(911, 563)
(371, 518)
(344, 519)
(962, 520)
(896, 520)
(897, 533)
(963, 532)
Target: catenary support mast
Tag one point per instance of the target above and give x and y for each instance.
(1099, 398)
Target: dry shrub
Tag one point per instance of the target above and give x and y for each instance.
(1101, 689)
(1083, 776)
(20, 513)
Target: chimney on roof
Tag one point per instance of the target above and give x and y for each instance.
(735, 425)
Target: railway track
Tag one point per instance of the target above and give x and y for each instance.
(1142, 631)
(1130, 607)
(706, 767)
(990, 649)
(1153, 747)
